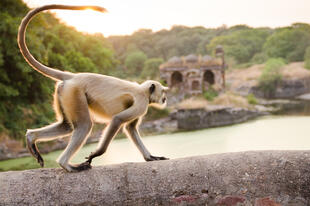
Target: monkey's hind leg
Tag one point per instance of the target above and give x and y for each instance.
(77, 140)
(74, 104)
(33, 149)
(51, 132)
(54, 131)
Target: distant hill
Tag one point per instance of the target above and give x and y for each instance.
(241, 43)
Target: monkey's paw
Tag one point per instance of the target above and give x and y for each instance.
(154, 158)
(40, 160)
(89, 158)
(35, 152)
(81, 167)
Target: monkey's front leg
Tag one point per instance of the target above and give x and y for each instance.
(109, 134)
(133, 133)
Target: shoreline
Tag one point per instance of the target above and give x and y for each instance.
(189, 120)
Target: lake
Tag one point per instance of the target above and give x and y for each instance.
(266, 133)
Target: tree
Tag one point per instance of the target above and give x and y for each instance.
(151, 68)
(289, 43)
(25, 95)
(79, 63)
(307, 58)
(134, 62)
(271, 76)
(242, 45)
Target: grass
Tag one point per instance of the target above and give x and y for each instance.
(231, 100)
(210, 94)
(252, 99)
(193, 103)
(226, 99)
(26, 163)
(295, 70)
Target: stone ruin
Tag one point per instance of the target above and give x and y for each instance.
(194, 74)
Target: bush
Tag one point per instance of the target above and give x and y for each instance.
(271, 76)
(289, 43)
(210, 94)
(307, 58)
(134, 63)
(251, 99)
(259, 58)
(151, 68)
(154, 113)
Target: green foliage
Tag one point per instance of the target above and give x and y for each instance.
(252, 99)
(271, 76)
(25, 95)
(79, 63)
(242, 45)
(151, 68)
(307, 58)
(134, 62)
(163, 82)
(289, 43)
(180, 40)
(153, 114)
(210, 94)
(26, 163)
(259, 58)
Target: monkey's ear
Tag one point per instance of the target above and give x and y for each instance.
(166, 89)
(152, 88)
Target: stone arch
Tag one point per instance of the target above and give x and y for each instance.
(195, 85)
(176, 78)
(209, 77)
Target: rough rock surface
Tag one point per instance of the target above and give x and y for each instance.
(287, 89)
(264, 178)
(159, 126)
(191, 119)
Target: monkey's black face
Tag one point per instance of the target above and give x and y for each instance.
(158, 95)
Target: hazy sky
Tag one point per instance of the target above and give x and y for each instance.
(127, 16)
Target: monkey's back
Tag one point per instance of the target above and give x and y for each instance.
(106, 95)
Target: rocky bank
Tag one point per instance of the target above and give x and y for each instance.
(191, 119)
(295, 81)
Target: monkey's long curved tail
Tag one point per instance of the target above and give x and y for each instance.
(45, 70)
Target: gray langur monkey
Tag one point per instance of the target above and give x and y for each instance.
(81, 98)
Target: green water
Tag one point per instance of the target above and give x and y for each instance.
(267, 133)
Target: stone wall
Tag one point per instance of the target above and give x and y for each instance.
(264, 178)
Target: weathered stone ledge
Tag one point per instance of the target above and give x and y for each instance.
(192, 119)
(287, 89)
(246, 178)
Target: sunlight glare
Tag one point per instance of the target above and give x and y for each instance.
(125, 17)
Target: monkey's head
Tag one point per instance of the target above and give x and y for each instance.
(157, 93)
